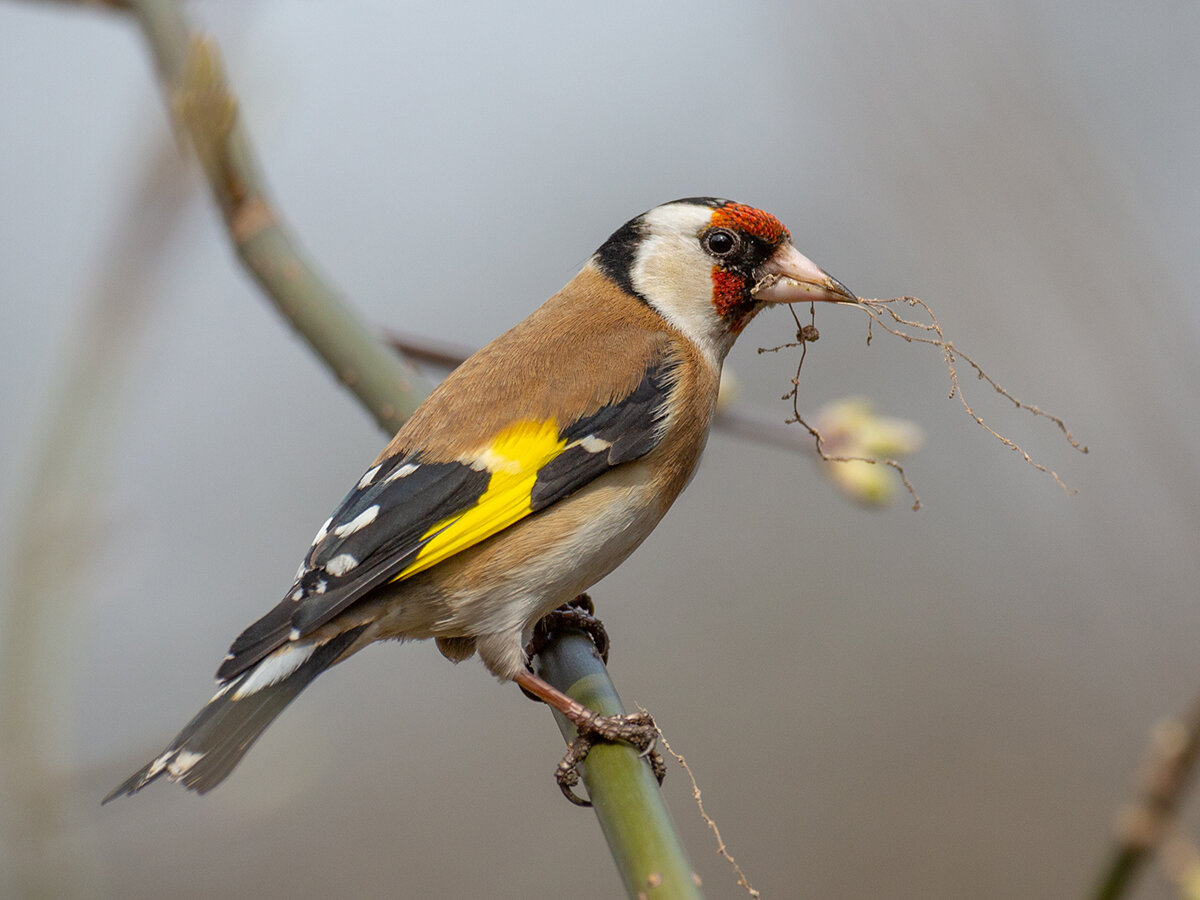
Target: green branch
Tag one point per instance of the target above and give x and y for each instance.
(624, 794)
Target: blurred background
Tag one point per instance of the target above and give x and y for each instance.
(945, 703)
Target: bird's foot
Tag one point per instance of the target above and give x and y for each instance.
(579, 613)
(637, 730)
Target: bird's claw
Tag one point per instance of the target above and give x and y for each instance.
(638, 730)
(578, 613)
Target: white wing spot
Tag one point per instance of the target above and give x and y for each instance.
(275, 668)
(341, 564)
(324, 531)
(358, 523)
(321, 585)
(182, 763)
(593, 444)
(294, 634)
(403, 472)
(366, 480)
(298, 594)
(491, 461)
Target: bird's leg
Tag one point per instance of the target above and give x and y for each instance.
(579, 613)
(637, 729)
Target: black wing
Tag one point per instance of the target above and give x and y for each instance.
(384, 523)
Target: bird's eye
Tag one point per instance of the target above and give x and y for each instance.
(720, 242)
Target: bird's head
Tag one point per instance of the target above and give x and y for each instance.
(709, 265)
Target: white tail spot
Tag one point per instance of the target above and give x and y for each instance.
(182, 763)
(275, 668)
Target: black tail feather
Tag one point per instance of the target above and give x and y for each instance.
(209, 746)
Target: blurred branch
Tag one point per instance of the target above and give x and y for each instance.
(1169, 765)
(56, 528)
(441, 354)
(109, 4)
(205, 110)
(631, 812)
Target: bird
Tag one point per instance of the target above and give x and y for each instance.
(532, 471)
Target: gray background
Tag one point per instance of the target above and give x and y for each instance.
(943, 704)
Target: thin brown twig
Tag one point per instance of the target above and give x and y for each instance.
(933, 326)
(805, 334)
(875, 309)
(743, 881)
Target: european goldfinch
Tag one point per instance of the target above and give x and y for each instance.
(529, 474)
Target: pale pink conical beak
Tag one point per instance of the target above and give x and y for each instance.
(791, 277)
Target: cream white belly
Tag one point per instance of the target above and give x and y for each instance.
(504, 585)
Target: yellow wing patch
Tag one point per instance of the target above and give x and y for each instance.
(514, 459)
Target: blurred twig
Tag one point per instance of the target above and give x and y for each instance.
(54, 531)
(109, 4)
(632, 815)
(206, 111)
(1166, 774)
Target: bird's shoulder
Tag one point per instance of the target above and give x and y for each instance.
(586, 348)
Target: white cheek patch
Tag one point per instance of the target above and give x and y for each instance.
(674, 274)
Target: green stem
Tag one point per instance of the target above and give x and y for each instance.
(624, 794)
(1119, 874)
